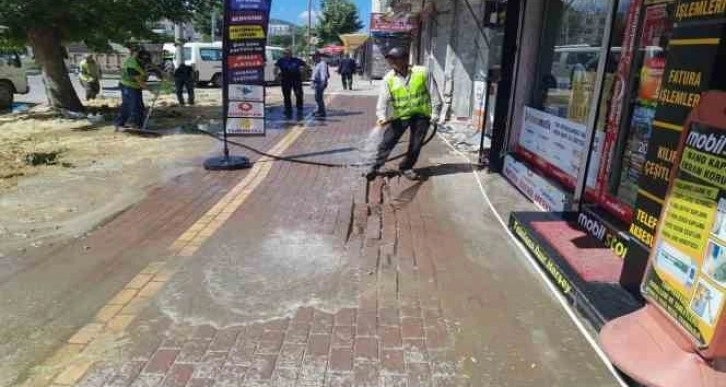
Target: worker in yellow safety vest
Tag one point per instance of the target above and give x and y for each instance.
(408, 99)
(132, 83)
(90, 77)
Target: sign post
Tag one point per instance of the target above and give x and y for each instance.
(243, 93)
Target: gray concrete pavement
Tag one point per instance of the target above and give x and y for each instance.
(297, 275)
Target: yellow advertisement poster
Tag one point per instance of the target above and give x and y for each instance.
(246, 32)
(687, 277)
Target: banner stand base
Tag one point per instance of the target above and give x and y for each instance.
(227, 163)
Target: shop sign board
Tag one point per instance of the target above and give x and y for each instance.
(687, 272)
(245, 37)
(608, 235)
(245, 126)
(539, 252)
(558, 145)
(381, 22)
(535, 187)
(246, 93)
(249, 5)
(246, 109)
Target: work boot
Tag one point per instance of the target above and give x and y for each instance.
(410, 174)
(288, 115)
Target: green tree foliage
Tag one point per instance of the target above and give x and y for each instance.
(202, 20)
(338, 17)
(47, 24)
(286, 41)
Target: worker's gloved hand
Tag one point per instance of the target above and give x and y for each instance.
(434, 120)
(381, 123)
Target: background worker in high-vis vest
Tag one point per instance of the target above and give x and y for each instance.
(409, 99)
(133, 82)
(90, 77)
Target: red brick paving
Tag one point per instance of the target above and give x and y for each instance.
(396, 334)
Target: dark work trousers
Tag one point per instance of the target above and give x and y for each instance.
(182, 84)
(92, 89)
(347, 81)
(320, 98)
(295, 86)
(419, 125)
(132, 107)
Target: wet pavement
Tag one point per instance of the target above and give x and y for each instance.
(298, 275)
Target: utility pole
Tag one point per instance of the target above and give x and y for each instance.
(310, 27)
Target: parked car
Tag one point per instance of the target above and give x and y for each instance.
(13, 79)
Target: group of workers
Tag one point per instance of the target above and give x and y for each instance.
(408, 99)
(134, 74)
(290, 70)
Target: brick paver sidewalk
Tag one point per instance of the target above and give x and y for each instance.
(316, 278)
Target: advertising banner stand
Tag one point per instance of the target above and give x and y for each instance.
(243, 93)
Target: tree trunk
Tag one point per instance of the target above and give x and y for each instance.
(50, 55)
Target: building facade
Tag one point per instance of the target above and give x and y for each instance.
(598, 104)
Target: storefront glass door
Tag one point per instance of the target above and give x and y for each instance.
(639, 101)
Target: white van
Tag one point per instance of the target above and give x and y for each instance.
(206, 60)
(13, 79)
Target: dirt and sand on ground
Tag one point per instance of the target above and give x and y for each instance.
(61, 177)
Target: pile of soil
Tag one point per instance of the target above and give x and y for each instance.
(60, 177)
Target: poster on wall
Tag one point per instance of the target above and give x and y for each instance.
(245, 37)
(538, 189)
(687, 275)
(614, 110)
(478, 118)
(558, 145)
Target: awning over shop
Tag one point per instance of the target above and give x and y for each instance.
(352, 42)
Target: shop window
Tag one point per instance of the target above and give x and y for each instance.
(210, 54)
(639, 102)
(555, 124)
(569, 55)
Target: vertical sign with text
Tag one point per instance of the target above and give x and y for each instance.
(687, 276)
(245, 38)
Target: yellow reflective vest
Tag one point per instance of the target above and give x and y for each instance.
(412, 99)
(89, 71)
(129, 80)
